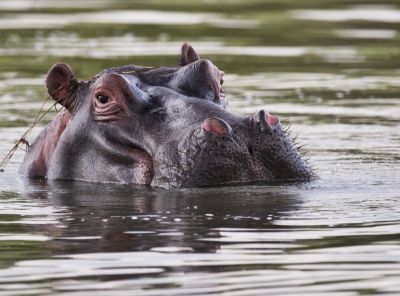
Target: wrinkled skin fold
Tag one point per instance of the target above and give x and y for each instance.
(166, 127)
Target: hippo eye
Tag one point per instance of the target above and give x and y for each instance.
(221, 81)
(102, 99)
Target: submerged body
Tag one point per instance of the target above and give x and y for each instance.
(167, 127)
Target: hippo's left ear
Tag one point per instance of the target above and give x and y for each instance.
(188, 55)
(62, 85)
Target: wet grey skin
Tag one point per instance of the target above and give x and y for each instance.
(166, 127)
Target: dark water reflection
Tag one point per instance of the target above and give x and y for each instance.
(125, 218)
(245, 240)
(331, 68)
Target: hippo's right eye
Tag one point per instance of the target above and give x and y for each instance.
(102, 99)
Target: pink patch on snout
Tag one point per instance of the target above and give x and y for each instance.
(271, 119)
(215, 126)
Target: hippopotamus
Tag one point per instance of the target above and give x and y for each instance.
(166, 127)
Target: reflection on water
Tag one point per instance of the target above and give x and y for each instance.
(127, 45)
(331, 69)
(21, 21)
(386, 14)
(285, 240)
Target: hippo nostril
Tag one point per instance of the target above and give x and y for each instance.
(216, 126)
(267, 121)
(271, 119)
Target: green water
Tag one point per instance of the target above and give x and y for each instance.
(331, 68)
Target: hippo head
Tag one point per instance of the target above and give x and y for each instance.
(165, 127)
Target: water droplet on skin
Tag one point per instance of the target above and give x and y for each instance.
(177, 219)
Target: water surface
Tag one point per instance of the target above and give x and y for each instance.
(331, 70)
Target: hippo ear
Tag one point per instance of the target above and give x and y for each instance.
(61, 85)
(188, 55)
